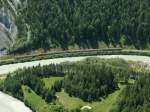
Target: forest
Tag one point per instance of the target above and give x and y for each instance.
(89, 80)
(90, 87)
(83, 23)
(136, 97)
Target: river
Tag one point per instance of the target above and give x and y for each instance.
(4, 69)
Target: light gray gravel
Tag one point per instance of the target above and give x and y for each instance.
(10, 104)
(4, 69)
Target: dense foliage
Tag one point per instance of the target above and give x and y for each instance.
(136, 97)
(63, 23)
(31, 78)
(92, 78)
(13, 85)
(89, 82)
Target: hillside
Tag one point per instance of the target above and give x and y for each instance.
(80, 24)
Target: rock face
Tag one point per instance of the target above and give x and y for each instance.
(8, 28)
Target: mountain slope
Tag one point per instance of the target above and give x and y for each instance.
(82, 24)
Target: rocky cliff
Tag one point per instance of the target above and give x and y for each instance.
(8, 28)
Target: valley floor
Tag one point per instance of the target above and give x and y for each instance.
(10, 104)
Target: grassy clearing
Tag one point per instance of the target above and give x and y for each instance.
(49, 82)
(36, 102)
(104, 106)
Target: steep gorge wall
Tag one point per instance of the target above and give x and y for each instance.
(8, 28)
